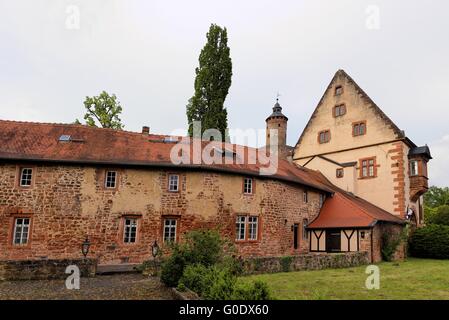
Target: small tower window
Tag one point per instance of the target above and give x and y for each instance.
(324, 136)
(414, 168)
(338, 90)
(339, 173)
(359, 128)
(339, 110)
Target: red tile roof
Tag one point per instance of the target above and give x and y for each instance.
(40, 142)
(346, 210)
(29, 141)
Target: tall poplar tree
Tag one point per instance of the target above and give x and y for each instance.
(212, 82)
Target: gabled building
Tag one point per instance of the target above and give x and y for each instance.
(352, 142)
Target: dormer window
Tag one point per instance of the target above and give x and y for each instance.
(413, 168)
(339, 110)
(338, 90)
(324, 136)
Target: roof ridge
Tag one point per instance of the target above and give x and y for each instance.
(62, 124)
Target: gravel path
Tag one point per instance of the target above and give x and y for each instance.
(108, 287)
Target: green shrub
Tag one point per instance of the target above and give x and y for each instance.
(211, 283)
(441, 216)
(258, 290)
(235, 266)
(285, 263)
(203, 246)
(391, 241)
(431, 241)
(173, 268)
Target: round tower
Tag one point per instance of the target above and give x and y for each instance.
(277, 121)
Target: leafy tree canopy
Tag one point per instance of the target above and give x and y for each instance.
(212, 82)
(103, 110)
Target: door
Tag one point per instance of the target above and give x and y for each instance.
(333, 240)
(295, 235)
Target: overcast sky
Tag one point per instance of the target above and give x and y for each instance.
(146, 52)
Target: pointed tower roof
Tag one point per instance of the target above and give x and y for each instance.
(398, 132)
(277, 111)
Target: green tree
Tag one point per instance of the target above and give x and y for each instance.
(436, 197)
(212, 82)
(103, 110)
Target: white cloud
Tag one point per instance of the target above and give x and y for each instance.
(439, 165)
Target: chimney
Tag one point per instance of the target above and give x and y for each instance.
(145, 130)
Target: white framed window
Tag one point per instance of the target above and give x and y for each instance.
(247, 185)
(305, 234)
(26, 177)
(322, 198)
(21, 231)
(368, 168)
(130, 230)
(173, 183)
(111, 179)
(170, 230)
(305, 196)
(414, 168)
(338, 90)
(252, 228)
(240, 228)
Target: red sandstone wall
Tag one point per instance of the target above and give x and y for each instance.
(68, 202)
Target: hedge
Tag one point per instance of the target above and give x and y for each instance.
(431, 241)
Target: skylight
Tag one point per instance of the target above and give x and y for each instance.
(65, 138)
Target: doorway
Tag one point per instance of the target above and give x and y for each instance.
(295, 235)
(333, 240)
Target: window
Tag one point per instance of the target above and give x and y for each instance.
(173, 183)
(26, 176)
(240, 226)
(338, 90)
(21, 231)
(130, 230)
(305, 234)
(244, 223)
(368, 168)
(339, 173)
(324, 136)
(339, 110)
(359, 128)
(252, 228)
(414, 168)
(305, 197)
(362, 234)
(247, 186)
(111, 179)
(322, 198)
(170, 230)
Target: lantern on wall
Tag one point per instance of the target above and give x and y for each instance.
(85, 246)
(154, 249)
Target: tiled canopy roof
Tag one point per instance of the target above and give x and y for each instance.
(346, 210)
(89, 145)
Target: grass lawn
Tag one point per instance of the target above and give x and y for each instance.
(411, 279)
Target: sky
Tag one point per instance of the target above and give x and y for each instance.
(55, 53)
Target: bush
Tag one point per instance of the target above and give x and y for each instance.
(391, 242)
(431, 241)
(201, 247)
(258, 290)
(205, 247)
(173, 268)
(212, 283)
(441, 216)
(216, 283)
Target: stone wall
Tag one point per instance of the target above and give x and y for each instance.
(311, 261)
(44, 269)
(66, 203)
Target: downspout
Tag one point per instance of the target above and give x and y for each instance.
(372, 245)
